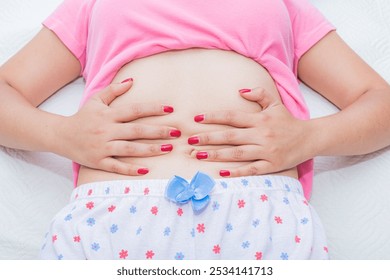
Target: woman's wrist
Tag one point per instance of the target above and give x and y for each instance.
(51, 129)
(59, 135)
(318, 138)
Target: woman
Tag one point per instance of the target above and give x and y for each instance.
(202, 103)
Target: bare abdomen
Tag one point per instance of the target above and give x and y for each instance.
(193, 81)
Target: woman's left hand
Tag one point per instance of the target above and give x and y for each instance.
(271, 140)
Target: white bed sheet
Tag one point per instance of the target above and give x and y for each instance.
(351, 194)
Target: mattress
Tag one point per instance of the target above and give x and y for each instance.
(350, 194)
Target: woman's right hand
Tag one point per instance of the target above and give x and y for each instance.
(98, 135)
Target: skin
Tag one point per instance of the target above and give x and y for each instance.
(277, 140)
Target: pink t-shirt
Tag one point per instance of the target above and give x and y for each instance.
(104, 35)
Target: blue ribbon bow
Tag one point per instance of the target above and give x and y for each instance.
(180, 191)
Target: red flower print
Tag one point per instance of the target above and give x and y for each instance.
(154, 210)
(217, 249)
(264, 198)
(200, 228)
(54, 238)
(90, 205)
(111, 208)
(146, 191)
(305, 202)
(326, 249)
(149, 254)
(76, 238)
(89, 191)
(180, 212)
(241, 203)
(297, 239)
(123, 254)
(127, 190)
(259, 255)
(278, 220)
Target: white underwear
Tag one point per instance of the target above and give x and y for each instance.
(256, 217)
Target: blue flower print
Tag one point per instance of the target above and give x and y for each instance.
(68, 217)
(193, 232)
(107, 190)
(245, 182)
(286, 201)
(229, 227)
(138, 232)
(179, 256)
(256, 223)
(287, 188)
(215, 206)
(95, 246)
(268, 183)
(133, 209)
(91, 222)
(245, 245)
(224, 185)
(284, 256)
(167, 231)
(114, 228)
(60, 257)
(304, 221)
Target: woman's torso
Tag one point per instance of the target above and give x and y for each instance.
(193, 81)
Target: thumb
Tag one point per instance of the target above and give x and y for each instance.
(111, 92)
(264, 98)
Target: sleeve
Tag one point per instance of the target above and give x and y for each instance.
(69, 22)
(309, 25)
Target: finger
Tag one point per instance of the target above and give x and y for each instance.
(263, 97)
(135, 149)
(133, 131)
(227, 117)
(111, 92)
(224, 137)
(135, 111)
(232, 154)
(116, 166)
(260, 167)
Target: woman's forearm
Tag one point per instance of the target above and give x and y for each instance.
(360, 128)
(25, 127)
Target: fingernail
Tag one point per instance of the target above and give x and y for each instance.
(143, 171)
(166, 148)
(244, 90)
(202, 155)
(175, 133)
(127, 80)
(193, 140)
(224, 173)
(168, 109)
(199, 118)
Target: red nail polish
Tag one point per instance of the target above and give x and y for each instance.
(143, 171)
(202, 155)
(168, 109)
(244, 90)
(193, 140)
(127, 80)
(224, 173)
(166, 148)
(199, 118)
(175, 133)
